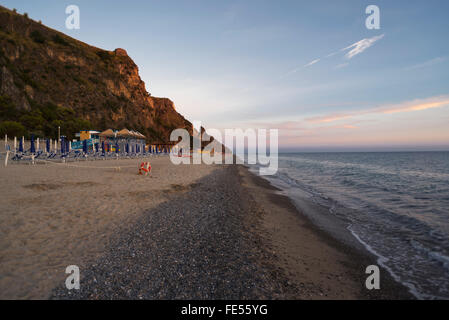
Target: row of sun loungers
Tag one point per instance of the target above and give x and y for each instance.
(72, 156)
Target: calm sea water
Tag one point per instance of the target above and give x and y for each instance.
(395, 203)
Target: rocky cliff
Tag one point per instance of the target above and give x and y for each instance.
(48, 79)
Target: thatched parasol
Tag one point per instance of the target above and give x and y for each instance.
(107, 133)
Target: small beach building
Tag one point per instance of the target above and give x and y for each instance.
(127, 140)
(86, 135)
(90, 136)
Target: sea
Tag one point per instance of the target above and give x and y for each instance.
(396, 204)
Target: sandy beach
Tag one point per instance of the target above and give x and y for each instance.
(53, 216)
(188, 232)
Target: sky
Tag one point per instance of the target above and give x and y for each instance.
(308, 68)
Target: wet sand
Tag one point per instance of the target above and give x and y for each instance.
(318, 264)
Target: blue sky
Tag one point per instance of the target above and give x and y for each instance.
(249, 64)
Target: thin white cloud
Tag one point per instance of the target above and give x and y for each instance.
(428, 63)
(332, 54)
(360, 46)
(299, 68)
(356, 48)
(341, 65)
(311, 63)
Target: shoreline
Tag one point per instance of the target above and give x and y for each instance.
(345, 257)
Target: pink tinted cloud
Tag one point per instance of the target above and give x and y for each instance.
(407, 106)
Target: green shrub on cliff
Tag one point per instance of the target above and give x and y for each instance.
(60, 40)
(37, 37)
(12, 129)
(7, 109)
(42, 120)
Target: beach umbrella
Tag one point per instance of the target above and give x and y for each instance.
(32, 149)
(62, 145)
(48, 145)
(108, 133)
(85, 146)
